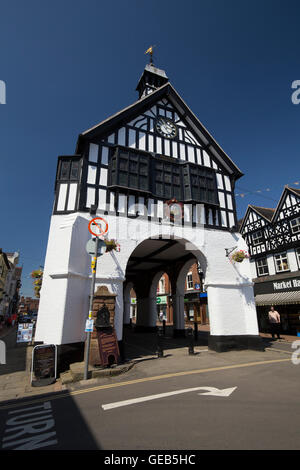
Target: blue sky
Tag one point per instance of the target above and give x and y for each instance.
(70, 64)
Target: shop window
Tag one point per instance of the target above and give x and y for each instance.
(262, 267)
(281, 262)
(295, 225)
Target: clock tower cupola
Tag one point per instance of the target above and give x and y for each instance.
(151, 79)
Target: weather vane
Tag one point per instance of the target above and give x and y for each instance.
(150, 51)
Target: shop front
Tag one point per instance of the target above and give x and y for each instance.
(284, 294)
(195, 307)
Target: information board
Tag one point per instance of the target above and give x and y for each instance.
(24, 333)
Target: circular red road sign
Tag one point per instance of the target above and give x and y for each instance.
(95, 227)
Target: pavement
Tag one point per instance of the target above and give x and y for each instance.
(141, 352)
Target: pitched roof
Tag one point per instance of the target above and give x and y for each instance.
(167, 90)
(265, 212)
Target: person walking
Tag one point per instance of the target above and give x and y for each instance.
(274, 319)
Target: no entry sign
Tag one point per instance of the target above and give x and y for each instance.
(98, 227)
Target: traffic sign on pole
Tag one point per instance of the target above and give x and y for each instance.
(98, 227)
(90, 247)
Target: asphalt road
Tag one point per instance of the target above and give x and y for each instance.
(263, 412)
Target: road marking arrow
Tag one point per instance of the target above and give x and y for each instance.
(211, 391)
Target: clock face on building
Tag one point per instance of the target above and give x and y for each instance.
(166, 127)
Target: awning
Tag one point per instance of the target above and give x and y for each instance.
(278, 298)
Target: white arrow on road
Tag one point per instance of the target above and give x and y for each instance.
(211, 391)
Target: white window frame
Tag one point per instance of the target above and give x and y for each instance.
(282, 256)
(265, 265)
(296, 226)
(189, 281)
(257, 239)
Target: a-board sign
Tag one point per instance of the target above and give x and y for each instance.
(24, 333)
(108, 346)
(44, 365)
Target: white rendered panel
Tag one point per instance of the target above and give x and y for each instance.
(132, 135)
(122, 203)
(191, 154)
(92, 171)
(219, 181)
(229, 202)
(150, 143)
(90, 197)
(131, 205)
(158, 144)
(174, 149)
(103, 177)
(93, 153)
(142, 141)
(104, 156)
(102, 199)
(72, 196)
(222, 199)
(121, 136)
(62, 197)
(206, 158)
(227, 183)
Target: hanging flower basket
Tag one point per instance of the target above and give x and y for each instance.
(112, 245)
(239, 256)
(37, 274)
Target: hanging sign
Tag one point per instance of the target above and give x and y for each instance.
(98, 227)
(44, 365)
(90, 247)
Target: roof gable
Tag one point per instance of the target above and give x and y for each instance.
(255, 214)
(289, 197)
(194, 128)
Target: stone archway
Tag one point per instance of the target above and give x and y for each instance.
(171, 255)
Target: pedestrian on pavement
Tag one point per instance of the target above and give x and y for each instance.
(274, 319)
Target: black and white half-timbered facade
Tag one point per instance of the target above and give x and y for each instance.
(166, 189)
(273, 239)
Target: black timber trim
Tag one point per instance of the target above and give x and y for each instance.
(109, 125)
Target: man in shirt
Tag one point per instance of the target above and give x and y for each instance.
(274, 319)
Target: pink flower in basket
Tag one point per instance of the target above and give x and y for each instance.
(239, 256)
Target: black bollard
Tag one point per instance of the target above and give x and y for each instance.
(196, 330)
(164, 327)
(191, 341)
(160, 350)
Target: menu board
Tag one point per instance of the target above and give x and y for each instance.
(24, 333)
(44, 364)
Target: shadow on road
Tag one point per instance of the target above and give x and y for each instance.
(53, 421)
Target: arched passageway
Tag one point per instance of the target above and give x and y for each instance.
(147, 264)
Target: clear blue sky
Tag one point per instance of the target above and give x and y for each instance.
(68, 64)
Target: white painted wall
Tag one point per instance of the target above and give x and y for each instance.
(65, 290)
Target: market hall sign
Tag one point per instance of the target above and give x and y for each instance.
(282, 285)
